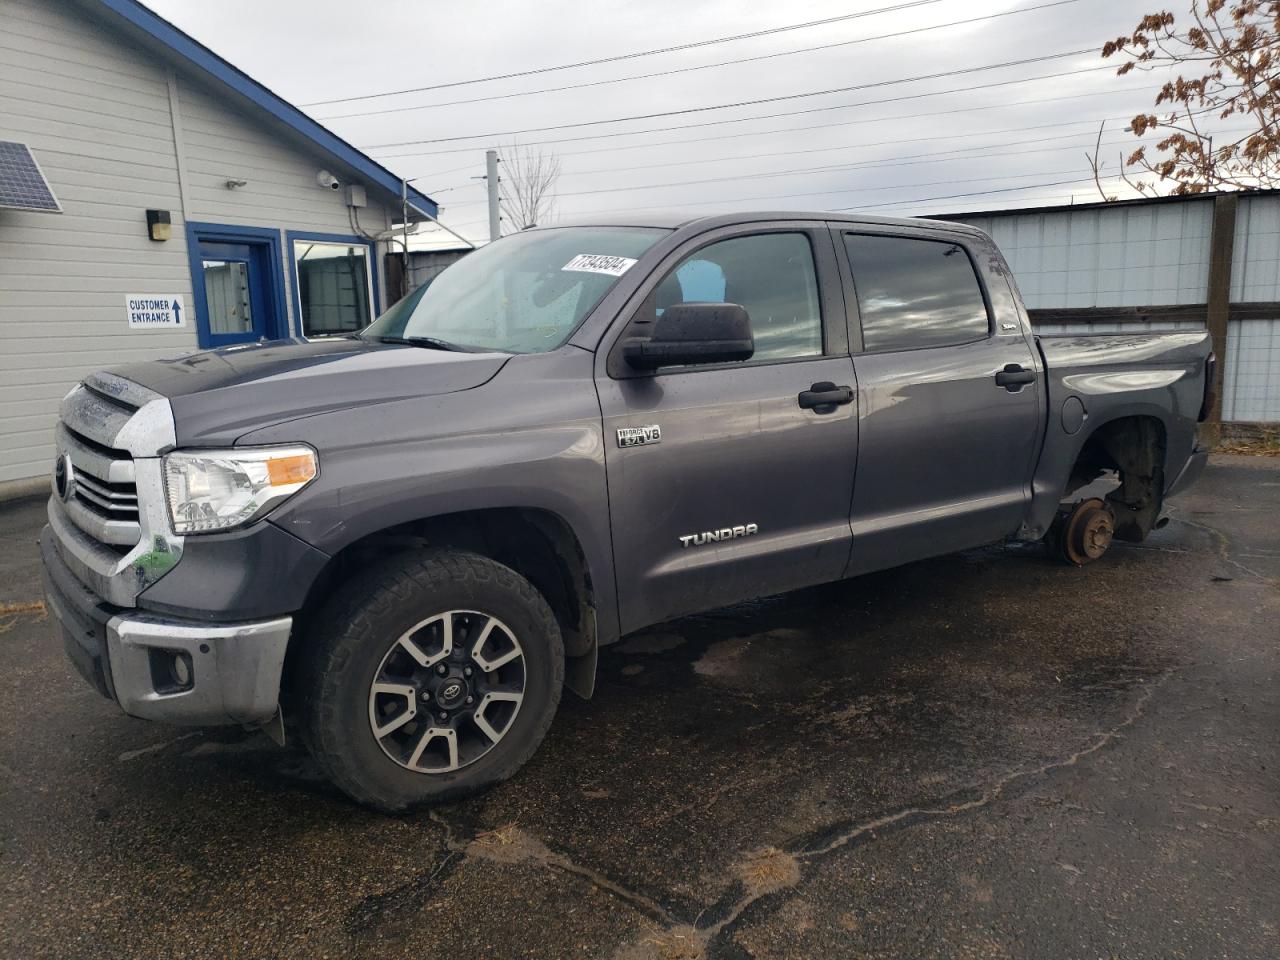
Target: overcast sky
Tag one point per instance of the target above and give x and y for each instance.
(1026, 140)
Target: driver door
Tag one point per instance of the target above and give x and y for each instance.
(723, 484)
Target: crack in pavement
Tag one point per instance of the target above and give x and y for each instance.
(509, 845)
(761, 875)
(1224, 548)
(700, 938)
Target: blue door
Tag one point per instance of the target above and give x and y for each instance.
(236, 306)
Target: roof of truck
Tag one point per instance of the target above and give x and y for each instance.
(676, 218)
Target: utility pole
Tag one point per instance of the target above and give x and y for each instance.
(491, 181)
(406, 284)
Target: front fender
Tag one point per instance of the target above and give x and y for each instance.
(531, 438)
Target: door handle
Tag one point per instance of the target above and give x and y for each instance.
(1014, 376)
(825, 397)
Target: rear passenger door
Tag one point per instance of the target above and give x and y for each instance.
(949, 398)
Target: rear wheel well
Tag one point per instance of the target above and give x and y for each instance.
(1134, 448)
(537, 544)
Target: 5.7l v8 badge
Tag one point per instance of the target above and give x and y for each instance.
(637, 436)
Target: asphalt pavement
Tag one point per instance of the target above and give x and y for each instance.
(984, 755)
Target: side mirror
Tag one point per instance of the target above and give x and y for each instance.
(692, 333)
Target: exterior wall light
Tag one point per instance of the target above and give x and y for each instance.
(159, 226)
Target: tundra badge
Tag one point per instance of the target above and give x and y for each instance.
(636, 436)
(718, 536)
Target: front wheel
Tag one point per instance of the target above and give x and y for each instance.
(432, 678)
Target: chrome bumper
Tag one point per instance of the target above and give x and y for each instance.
(230, 674)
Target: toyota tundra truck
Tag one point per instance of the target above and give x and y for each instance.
(400, 545)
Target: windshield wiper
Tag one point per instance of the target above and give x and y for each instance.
(429, 343)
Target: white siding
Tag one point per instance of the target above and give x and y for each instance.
(222, 144)
(97, 120)
(1128, 256)
(97, 116)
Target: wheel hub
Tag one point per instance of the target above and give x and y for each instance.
(1088, 531)
(447, 691)
(452, 692)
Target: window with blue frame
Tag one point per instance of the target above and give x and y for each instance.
(335, 287)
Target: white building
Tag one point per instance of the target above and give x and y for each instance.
(273, 220)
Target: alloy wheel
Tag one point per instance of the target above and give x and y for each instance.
(447, 691)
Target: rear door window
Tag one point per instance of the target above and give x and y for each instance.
(915, 293)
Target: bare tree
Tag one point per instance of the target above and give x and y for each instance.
(529, 178)
(1231, 53)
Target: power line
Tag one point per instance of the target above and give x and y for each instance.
(793, 113)
(850, 146)
(906, 160)
(849, 190)
(631, 56)
(913, 206)
(843, 190)
(704, 66)
(890, 204)
(874, 143)
(747, 103)
(759, 133)
(959, 196)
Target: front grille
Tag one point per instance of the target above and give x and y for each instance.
(111, 501)
(103, 497)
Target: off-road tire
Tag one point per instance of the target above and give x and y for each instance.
(353, 632)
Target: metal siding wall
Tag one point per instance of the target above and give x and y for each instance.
(1125, 257)
(97, 119)
(1251, 392)
(1255, 266)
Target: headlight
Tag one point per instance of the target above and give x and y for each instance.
(214, 490)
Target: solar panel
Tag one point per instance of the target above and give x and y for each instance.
(22, 184)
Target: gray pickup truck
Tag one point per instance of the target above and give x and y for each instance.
(403, 543)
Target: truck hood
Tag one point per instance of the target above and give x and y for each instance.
(219, 395)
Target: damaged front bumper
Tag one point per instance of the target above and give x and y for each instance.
(166, 669)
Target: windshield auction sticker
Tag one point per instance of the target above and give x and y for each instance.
(599, 263)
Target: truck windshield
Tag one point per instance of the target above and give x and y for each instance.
(526, 293)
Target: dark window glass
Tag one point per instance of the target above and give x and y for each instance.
(770, 274)
(333, 287)
(915, 293)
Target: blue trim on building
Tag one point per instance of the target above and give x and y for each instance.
(372, 263)
(201, 57)
(278, 323)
